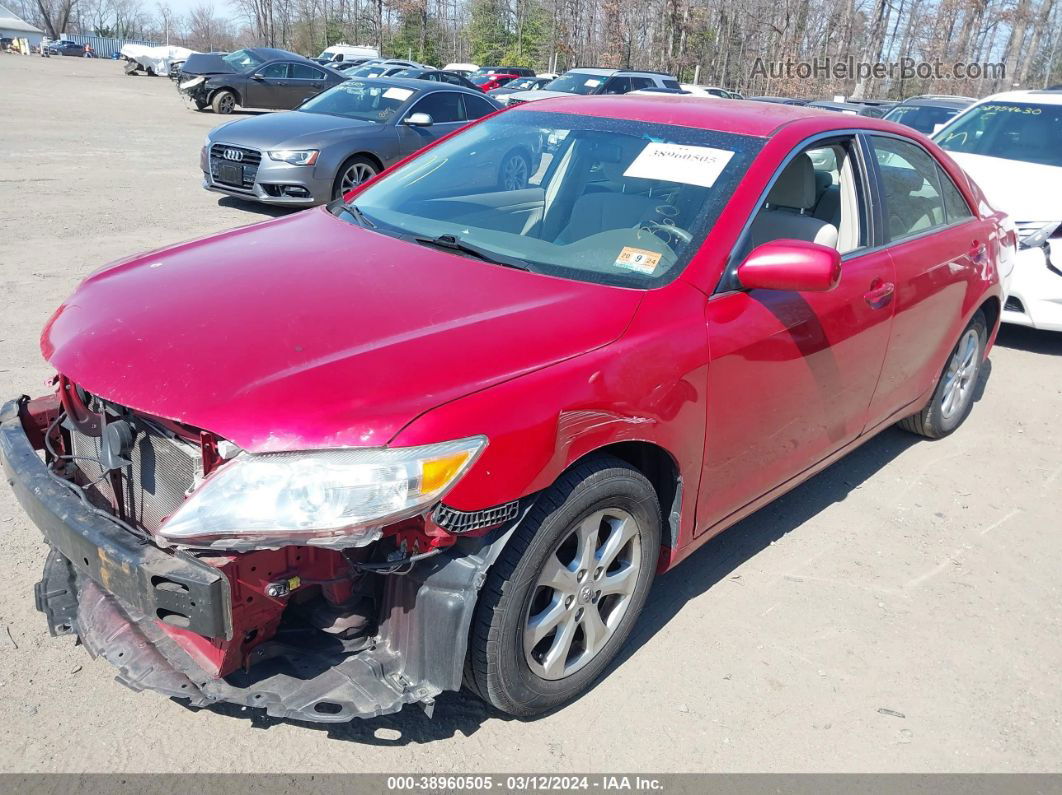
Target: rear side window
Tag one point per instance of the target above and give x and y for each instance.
(910, 182)
(301, 71)
(476, 107)
(954, 203)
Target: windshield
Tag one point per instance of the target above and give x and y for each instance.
(595, 199)
(923, 118)
(242, 60)
(370, 70)
(576, 83)
(523, 82)
(1010, 130)
(357, 99)
(414, 73)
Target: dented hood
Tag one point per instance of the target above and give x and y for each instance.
(308, 332)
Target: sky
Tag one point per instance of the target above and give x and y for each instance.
(182, 7)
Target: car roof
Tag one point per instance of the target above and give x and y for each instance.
(272, 52)
(1039, 96)
(937, 102)
(706, 113)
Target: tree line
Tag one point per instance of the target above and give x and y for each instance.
(738, 45)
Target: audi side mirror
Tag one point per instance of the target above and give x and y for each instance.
(418, 120)
(791, 265)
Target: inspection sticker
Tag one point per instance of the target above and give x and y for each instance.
(401, 94)
(693, 165)
(593, 82)
(637, 259)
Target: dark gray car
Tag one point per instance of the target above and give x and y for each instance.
(339, 139)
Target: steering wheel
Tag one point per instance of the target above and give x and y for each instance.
(666, 231)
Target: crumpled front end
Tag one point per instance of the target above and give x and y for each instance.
(316, 634)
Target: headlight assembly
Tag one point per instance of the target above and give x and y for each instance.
(296, 157)
(332, 498)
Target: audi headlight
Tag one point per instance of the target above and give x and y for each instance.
(1032, 235)
(333, 498)
(296, 157)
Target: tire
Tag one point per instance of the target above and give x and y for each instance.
(954, 396)
(352, 173)
(223, 102)
(600, 497)
(515, 171)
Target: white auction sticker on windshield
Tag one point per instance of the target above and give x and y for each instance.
(401, 94)
(693, 165)
(592, 82)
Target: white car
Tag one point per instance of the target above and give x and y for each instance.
(1011, 144)
(707, 91)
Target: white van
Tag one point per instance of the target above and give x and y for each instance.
(345, 52)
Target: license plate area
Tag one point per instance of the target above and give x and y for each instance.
(230, 174)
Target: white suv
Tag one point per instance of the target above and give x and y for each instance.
(1011, 144)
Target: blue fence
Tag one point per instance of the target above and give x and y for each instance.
(106, 47)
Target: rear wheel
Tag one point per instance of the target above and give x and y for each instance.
(352, 173)
(954, 396)
(223, 101)
(564, 595)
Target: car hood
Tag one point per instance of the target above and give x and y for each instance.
(1024, 191)
(206, 63)
(308, 332)
(288, 129)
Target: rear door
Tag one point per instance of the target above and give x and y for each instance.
(304, 81)
(792, 374)
(936, 242)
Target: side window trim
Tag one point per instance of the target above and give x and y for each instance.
(726, 282)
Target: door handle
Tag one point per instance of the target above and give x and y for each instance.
(879, 294)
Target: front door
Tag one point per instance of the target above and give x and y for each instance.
(270, 87)
(447, 114)
(792, 374)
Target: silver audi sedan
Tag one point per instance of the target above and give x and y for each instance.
(343, 137)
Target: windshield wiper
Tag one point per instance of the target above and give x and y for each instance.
(454, 243)
(354, 210)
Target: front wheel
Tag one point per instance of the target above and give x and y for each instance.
(564, 595)
(352, 173)
(954, 396)
(224, 102)
(515, 171)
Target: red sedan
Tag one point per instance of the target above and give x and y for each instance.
(435, 434)
(489, 82)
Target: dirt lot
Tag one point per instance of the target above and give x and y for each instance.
(900, 612)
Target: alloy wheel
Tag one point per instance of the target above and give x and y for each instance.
(582, 593)
(514, 173)
(961, 375)
(355, 174)
(227, 103)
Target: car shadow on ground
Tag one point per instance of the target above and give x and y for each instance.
(463, 713)
(1030, 339)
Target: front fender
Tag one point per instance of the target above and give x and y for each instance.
(648, 386)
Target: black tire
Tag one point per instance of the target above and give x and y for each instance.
(357, 162)
(223, 102)
(515, 170)
(936, 421)
(498, 668)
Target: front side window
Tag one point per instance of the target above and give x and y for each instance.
(358, 99)
(617, 85)
(1011, 130)
(910, 182)
(242, 60)
(602, 200)
(444, 107)
(816, 197)
(275, 71)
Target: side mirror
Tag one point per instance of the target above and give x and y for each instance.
(258, 76)
(418, 120)
(791, 265)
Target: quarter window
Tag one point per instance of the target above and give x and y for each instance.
(910, 182)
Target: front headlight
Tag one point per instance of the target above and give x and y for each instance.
(334, 498)
(1034, 235)
(296, 157)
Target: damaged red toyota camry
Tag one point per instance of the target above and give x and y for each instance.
(435, 435)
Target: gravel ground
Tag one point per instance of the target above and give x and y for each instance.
(899, 612)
